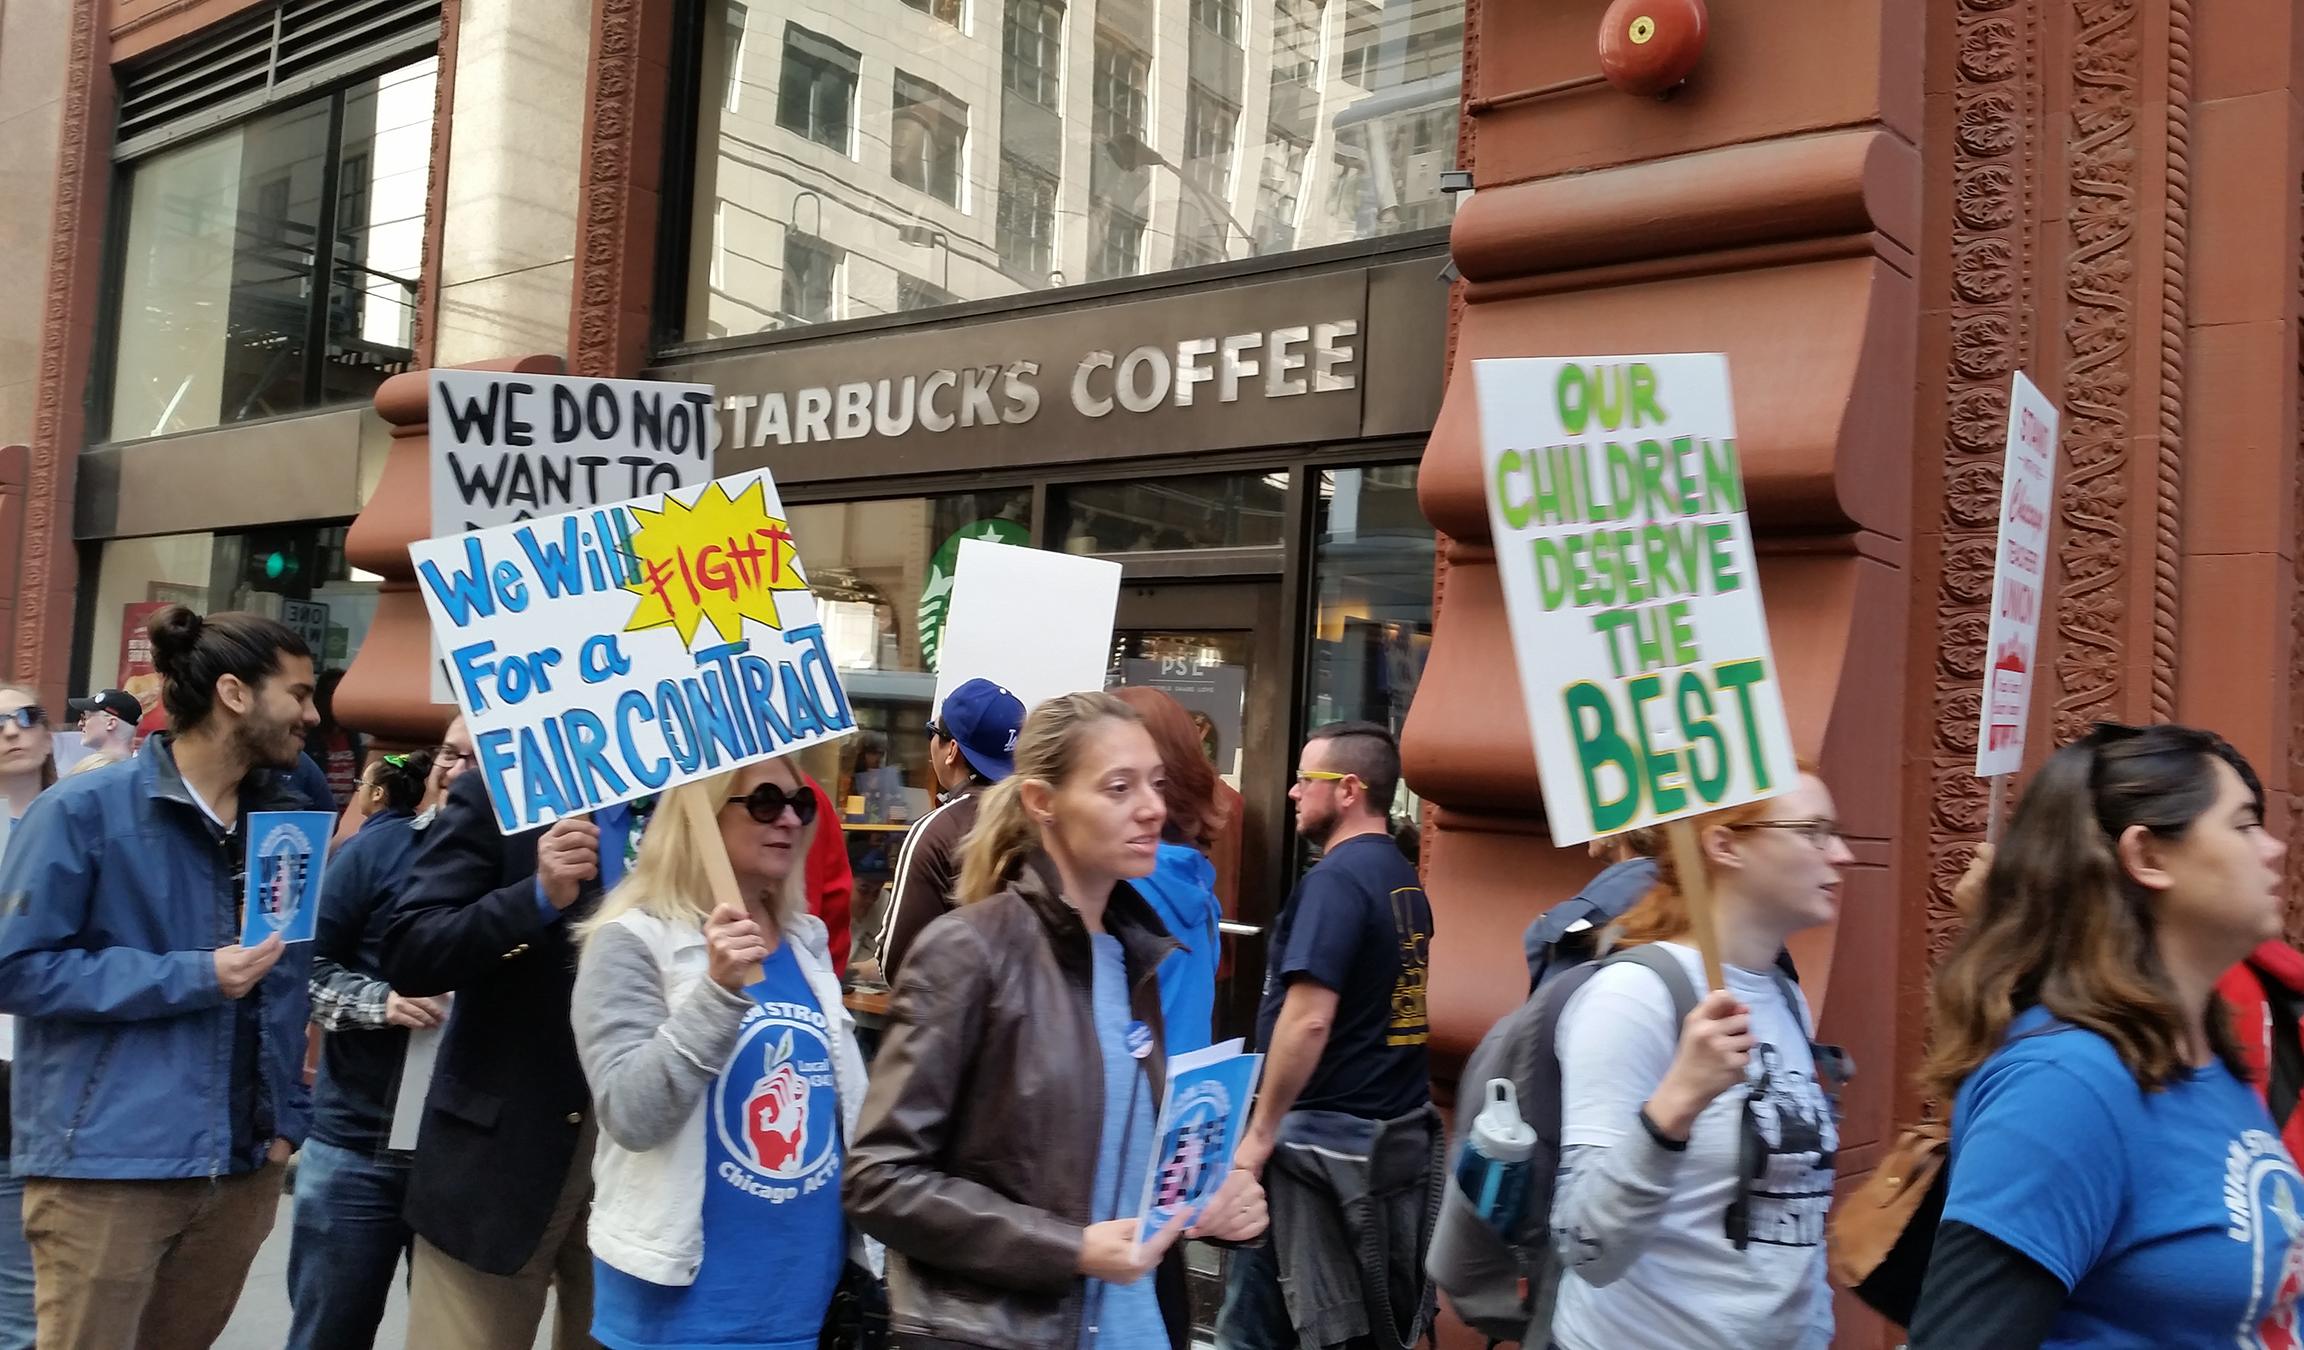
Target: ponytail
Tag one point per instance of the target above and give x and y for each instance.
(192, 653)
(1047, 751)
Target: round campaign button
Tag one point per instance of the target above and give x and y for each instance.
(1139, 1040)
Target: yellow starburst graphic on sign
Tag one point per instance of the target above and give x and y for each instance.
(721, 560)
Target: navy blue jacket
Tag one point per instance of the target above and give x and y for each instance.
(115, 893)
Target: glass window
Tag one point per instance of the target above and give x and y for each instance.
(1276, 195)
(928, 135)
(881, 572)
(811, 280)
(1372, 603)
(1162, 514)
(1027, 219)
(816, 92)
(1120, 76)
(1296, 42)
(230, 306)
(1119, 245)
(1335, 129)
(1032, 50)
(293, 573)
(946, 11)
(1221, 17)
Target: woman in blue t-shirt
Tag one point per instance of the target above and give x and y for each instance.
(2114, 1180)
(726, 1080)
(1182, 887)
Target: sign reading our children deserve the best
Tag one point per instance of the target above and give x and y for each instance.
(611, 652)
(1616, 502)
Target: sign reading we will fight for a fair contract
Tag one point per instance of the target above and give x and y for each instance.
(1616, 502)
(608, 653)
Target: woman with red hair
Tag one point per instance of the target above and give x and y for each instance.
(1182, 887)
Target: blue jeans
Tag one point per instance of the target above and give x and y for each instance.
(1255, 1315)
(347, 1243)
(15, 1265)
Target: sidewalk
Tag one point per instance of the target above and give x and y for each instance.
(261, 1320)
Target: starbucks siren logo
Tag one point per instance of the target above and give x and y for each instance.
(936, 596)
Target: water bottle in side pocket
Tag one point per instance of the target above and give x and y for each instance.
(1493, 1168)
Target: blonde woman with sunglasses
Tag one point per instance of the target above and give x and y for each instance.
(726, 1080)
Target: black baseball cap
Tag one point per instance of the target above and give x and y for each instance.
(118, 702)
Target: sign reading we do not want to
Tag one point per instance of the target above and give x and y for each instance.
(608, 653)
(1616, 502)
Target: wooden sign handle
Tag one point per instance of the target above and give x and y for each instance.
(1696, 889)
(705, 823)
(1995, 806)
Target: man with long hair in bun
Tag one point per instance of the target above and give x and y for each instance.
(159, 1083)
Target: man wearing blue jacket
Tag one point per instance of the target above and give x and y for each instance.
(159, 1083)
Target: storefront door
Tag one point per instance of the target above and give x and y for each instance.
(1217, 647)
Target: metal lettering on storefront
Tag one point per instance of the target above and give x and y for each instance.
(1320, 359)
(1283, 363)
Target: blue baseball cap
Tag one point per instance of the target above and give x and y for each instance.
(983, 720)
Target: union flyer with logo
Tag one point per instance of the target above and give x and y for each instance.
(287, 855)
(1616, 502)
(1202, 1117)
(615, 651)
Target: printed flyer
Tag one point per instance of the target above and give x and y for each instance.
(1202, 1118)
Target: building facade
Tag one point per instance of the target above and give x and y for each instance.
(1177, 283)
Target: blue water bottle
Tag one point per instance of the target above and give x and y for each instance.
(1493, 1170)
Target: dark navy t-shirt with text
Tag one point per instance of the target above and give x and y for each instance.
(1359, 924)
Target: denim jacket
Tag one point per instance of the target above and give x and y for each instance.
(115, 893)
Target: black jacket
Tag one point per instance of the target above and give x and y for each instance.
(508, 1097)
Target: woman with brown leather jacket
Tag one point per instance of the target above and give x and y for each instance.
(1005, 1138)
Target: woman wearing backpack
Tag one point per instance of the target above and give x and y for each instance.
(2114, 1179)
(1696, 1159)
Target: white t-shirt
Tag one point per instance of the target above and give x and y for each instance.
(1689, 1286)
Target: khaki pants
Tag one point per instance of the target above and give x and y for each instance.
(451, 1306)
(154, 1265)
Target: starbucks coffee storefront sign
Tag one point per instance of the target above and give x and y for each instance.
(1337, 356)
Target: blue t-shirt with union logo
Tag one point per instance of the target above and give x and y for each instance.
(774, 1238)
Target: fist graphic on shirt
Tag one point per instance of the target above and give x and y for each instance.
(776, 1117)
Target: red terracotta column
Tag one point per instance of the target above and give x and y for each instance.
(388, 691)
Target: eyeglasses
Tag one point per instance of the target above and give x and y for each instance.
(27, 717)
(936, 732)
(767, 802)
(448, 756)
(1320, 776)
(1821, 833)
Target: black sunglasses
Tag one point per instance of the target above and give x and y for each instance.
(29, 716)
(766, 803)
(936, 732)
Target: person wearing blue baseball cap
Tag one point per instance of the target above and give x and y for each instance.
(972, 745)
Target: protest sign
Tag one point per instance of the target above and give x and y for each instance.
(415, 1083)
(1617, 505)
(2019, 580)
(509, 447)
(287, 856)
(613, 652)
(1036, 623)
(1202, 1116)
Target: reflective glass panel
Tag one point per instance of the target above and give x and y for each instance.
(1005, 146)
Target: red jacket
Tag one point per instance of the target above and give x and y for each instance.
(831, 882)
(2243, 989)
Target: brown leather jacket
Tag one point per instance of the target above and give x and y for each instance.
(976, 1154)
